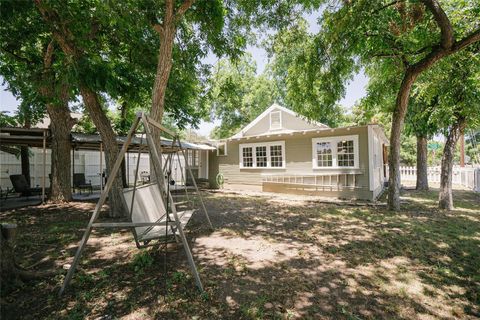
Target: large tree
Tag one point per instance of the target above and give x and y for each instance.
(420, 124)
(86, 33)
(415, 34)
(213, 26)
(377, 106)
(33, 69)
(296, 82)
(453, 86)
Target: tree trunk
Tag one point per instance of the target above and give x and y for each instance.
(422, 165)
(103, 125)
(123, 168)
(25, 163)
(60, 126)
(8, 267)
(12, 274)
(395, 136)
(164, 66)
(445, 198)
(57, 93)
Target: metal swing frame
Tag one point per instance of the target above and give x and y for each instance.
(175, 223)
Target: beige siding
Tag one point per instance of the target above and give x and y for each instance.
(298, 152)
(289, 122)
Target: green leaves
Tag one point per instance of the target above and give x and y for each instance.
(237, 95)
(310, 82)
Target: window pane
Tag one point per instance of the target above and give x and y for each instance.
(276, 158)
(197, 158)
(189, 157)
(346, 155)
(247, 155)
(324, 154)
(261, 156)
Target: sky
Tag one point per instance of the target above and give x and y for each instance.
(355, 89)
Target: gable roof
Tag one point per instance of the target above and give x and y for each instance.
(274, 107)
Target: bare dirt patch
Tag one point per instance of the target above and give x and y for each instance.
(268, 258)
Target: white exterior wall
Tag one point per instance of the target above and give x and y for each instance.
(88, 162)
(375, 151)
(9, 164)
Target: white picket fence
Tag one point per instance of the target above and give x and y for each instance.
(467, 177)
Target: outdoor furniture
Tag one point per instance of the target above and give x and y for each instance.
(20, 185)
(80, 183)
(153, 213)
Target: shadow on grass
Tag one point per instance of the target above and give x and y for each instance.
(264, 260)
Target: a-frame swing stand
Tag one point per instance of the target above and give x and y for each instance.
(152, 220)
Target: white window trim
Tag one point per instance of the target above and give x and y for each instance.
(262, 144)
(280, 125)
(225, 145)
(191, 158)
(333, 141)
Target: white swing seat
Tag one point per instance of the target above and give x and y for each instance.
(149, 206)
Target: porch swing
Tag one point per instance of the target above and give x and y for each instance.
(153, 213)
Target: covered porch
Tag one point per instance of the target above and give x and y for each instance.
(87, 158)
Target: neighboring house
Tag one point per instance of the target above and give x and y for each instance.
(280, 151)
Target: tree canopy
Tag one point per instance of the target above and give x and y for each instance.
(237, 95)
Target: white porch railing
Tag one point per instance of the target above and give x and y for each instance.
(326, 181)
(468, 177)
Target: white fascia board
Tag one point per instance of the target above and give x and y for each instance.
(370, 157)
(267, 112)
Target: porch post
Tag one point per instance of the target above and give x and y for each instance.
(44, 164)
(127, 169)
(101, 167)
(73, 166)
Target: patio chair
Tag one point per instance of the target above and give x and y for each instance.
(80, 183)
(20, 185)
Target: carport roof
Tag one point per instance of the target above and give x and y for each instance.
(34, 138)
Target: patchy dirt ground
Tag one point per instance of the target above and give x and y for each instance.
(268, 258)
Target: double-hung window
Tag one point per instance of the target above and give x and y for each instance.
(192, 158)
(324, 154)
(335, 152)
(262, 155)
(345, 154)
(276, 156)
(247, 157)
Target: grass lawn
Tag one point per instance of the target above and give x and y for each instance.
(268, 258)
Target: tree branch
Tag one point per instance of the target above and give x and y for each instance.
(468, 40)
(386, 55)
(169, 12)
(442, 21)
(386, 6)
(183, 8)
(60, 31)
(12, 53)
(11, 150)
(158, 28)
(47, 60)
